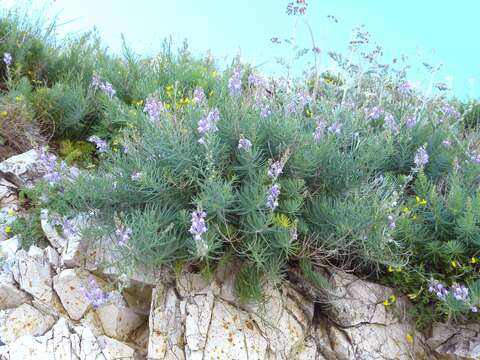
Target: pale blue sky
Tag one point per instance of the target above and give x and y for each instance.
(438, 31)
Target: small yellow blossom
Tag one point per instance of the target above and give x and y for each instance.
(211, 93)
(390, 268)
(4, 113)
(214, 74)
(420, 201)
(454, 264)
(11, 212)
(386, 302)
(19, 98)
(392, 298)
(409, 339)
(405, 210)
(473, 260)
(8, 229)
(308, 113)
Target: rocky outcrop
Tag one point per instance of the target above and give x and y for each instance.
(46, 314)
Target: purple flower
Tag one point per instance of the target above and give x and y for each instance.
(99, 143)
(460, 292)
(244, 144)
(123, 235)
(446, 142)
(421, 157)
(69, 228)
(475, 157)
(404, 88)
(373, 113)
(52, 176)
(335, 128)
(153, 108)
(272, 198)
(297, 7)
(198, 227)
(137, 175)
(303, 98)
(105, 86)
(94, 294)
(265, 110)
(474, 309)
(7, 59)
(275, 169)
(390, 122)
(439, 290)
(256, 80)
(410, 121)
(319, 130)
(391, 222)
(235, 82)
(199, 96)
(208, 124)
(449, 111)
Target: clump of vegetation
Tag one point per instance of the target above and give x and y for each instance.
(193, 165)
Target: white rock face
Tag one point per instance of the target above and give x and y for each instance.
(23, 320)
(118, 320)
(67, 342)
(10, 295)
(68, 285)
(450, 342)
(34, 274)
(26, 166)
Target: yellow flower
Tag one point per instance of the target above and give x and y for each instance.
(420, 201)
(386, 302)
(473, 260)
(19, 98)
(405, 210)
(454, 264)
(8, 229)
(390, 268)
(308, 113)
(392, 298)
(11, 212)
(214, 74)
(4, 113)
(211, 93)
(409, 339)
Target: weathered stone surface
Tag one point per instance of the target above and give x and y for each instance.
(461, 342)
(68, 285)
(23, 320)
(52, 235)
(9, 247)
(66, 342)
(34, 274)
(118, 320)
(10, 295)
(27, 166)
(166, 328)
(52, 257)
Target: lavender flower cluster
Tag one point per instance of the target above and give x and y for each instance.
(458, 291)
(153, 108)
(235, 82)
(275, 169)
(99, 143)
(197, 229)
(449, 111)
(373, 113)
(199, 96)
(297, 7)
(208, 124)
(319, 130)
(94, 294)
(52, 175)
(105, 86)
(421, 157)
(298, 102)
(244, 144)
(123, 235)
(410, 121)
(7, 59)
(272, 198)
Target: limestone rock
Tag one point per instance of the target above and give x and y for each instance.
(68, 286)
(461, 342)
(66, 342)
(23, 320)
(10, 295)
(118, 320)
(27, 166)
(165, 323)
(34, 274)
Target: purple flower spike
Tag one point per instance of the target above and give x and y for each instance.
(421, 157)
(235, 83)
(99, 143)
(275, 169)
(244, 144)
(272, 198)
(153, 108)
(7, 59)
